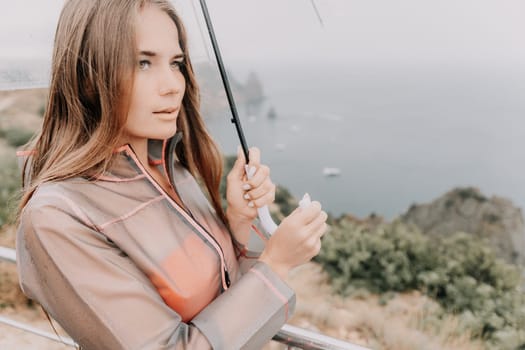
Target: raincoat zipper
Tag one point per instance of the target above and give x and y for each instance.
(226, 282)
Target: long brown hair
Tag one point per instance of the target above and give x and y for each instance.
(91, 77)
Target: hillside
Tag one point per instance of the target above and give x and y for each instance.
(496, 220)
(407, 320)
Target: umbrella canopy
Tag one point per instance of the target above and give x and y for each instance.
(224, 75)
(26, 39)
(29, 49)
(27, 30)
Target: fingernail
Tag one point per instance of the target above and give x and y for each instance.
(251, 205)
(246, 196)
(246, 187)
(251, 171)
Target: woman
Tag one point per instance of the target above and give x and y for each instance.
(116, 239)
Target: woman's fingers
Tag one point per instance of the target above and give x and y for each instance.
(258, 176)
(313, 245)
(237, 172)
(318, 223)
(315, 230)
(297, 239)
(310, 212)
(267, 198)
(317, 226)
(255, 157)
(261, 190)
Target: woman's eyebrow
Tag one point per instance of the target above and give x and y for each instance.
(153, 54)
(147, 53)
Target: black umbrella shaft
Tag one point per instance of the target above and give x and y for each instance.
(235, 120)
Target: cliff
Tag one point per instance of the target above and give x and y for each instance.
(494, 219)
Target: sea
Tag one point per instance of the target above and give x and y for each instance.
(399, 134)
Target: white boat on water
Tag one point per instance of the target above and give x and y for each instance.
(331, 171)
(280, 147)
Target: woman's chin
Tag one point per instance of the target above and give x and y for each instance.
(166, 133)
(162, 136)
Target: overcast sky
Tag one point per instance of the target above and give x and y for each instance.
(487, 31)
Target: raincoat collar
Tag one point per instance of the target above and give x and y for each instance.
(160, 152)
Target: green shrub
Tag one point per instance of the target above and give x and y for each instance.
(469, 192)
(228, 162)
(9, 189)
(285, 200)
(379, 261)
(16, 137)
(460, 272)
(42, 110)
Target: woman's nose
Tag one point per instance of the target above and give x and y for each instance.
(171, 82)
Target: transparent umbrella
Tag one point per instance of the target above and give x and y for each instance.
(28, 46)
(263, 213)
(27, 30)
(26, 39)
(224, 75)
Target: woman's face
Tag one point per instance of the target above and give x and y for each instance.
(159, 84)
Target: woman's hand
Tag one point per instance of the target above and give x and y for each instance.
(297, 239)
(245, 195)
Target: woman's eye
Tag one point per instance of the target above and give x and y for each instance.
(177, 65)
(144, 64)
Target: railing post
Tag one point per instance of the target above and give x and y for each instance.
(7, 254)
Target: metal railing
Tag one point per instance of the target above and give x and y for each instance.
(291, 336)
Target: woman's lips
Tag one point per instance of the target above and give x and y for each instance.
(167, 110)
(167, 113)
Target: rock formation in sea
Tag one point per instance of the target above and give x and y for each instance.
(495, 219)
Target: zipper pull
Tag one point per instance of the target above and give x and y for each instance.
(227, 278)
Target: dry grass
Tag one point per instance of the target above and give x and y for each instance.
(405, 322)
(10, 294)
(15, 306)
(22, 108)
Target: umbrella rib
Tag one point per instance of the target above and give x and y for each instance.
(200, 31)
(317, 13)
